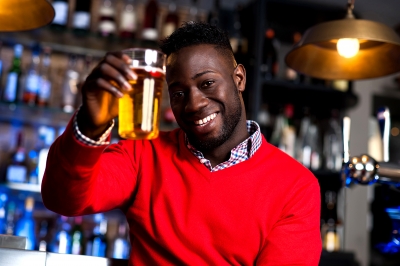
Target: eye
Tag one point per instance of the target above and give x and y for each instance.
(207, 83)
(176, 94)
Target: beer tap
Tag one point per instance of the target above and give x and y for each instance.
(364, 169)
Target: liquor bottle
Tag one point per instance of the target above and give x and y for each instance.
(42, 236)
(34, 155)
(107, 26)
(330, 222)
(97, 243)
(236, 35)
(289, 131)
(149, 31)
(25, 226)
(60, 20)
(269, 65)
(3, 217)
(32, 79)
(308, 148)
(17, 169)
(44, 92)
(81, 17)
(11, 89)
(333, 143)
(49, 136)
(284, 134)
(264, 121)
(171, 21)
(10, 220)
(291, 74)
(61, 242)
(70, 85)
(87, 67)
(128, 22)
(77, 237)
(121, 247)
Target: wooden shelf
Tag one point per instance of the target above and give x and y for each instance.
(21, 190)
(68, 42)
(320, 99)
(33, 115)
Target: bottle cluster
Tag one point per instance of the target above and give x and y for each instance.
(24, 163)
(40, 82)
(316, 143)
(147, 20)
(92, 235)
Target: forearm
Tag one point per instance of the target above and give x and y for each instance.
(68, 182)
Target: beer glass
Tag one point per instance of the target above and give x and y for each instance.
(139, 109)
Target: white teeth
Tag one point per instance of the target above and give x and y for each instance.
(205, 120)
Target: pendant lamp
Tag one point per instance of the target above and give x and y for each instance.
(20, 15)
(349, 49)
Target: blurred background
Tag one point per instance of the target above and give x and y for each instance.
(41, 71)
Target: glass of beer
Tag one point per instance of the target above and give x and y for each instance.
(139, 109)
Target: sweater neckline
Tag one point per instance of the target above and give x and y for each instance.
(232, 170)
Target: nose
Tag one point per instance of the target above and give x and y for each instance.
(196, 100)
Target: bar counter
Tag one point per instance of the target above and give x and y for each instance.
(19, 257)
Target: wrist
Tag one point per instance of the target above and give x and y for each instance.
(88, 128)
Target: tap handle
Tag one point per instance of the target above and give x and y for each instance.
(346, 139)
(383, 117)
(388, 172)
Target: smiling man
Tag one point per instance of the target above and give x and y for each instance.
(213, 192)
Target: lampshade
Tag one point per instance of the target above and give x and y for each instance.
(316, 54)
(20, 15)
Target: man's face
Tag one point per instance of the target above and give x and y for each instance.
(204, 94)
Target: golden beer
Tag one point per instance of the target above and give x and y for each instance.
(139, 109)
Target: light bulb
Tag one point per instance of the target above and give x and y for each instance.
(348, 47)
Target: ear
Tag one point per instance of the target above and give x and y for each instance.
(239, 77)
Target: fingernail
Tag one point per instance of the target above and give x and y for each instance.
(127, 85)
(118, 93)
(127, 59)
(132, 75)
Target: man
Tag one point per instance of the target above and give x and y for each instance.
(213, 192)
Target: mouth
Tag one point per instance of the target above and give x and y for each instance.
(205, 120)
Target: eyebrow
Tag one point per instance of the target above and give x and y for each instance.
(193, 78)
(201, 73)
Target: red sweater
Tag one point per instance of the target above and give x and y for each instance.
(264, 211)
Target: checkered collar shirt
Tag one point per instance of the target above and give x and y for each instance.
(239, 154)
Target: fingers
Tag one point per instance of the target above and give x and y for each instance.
(107, 86)
(121, 62)
(112, 74)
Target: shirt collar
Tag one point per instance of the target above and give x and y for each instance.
(240, 153)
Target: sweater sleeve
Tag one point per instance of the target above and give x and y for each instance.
(295, 239)
(81, 179)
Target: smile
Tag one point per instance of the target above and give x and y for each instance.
(205, 120)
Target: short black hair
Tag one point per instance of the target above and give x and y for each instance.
(195, 33)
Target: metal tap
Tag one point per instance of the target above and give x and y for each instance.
(364, 169)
